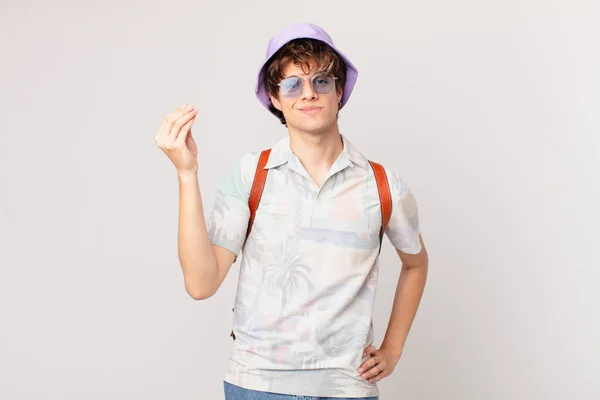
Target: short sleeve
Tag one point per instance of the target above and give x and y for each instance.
(228, 221)
(403, 228)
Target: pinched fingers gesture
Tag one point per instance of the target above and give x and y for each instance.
(174, 137)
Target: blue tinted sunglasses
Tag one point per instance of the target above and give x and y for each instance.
(294, 85)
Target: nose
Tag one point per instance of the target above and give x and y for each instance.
(307, 91)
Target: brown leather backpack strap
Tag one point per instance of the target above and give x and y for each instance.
(258, 185)
(385, 197)
(260, 178)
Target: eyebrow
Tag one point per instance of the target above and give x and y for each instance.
(319, 72)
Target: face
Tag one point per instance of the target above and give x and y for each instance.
(309, 111)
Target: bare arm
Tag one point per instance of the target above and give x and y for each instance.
(406, 302)
(204, 266)
(411, 284)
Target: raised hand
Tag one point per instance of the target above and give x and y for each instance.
(174, 137)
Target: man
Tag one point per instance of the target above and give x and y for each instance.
(306, 289)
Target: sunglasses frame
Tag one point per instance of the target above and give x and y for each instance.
(301, 90)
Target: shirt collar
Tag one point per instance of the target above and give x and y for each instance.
(354, 155)
(282, 153)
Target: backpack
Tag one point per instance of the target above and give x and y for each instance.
(260, 178)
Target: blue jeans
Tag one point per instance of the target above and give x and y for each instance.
(233, 392)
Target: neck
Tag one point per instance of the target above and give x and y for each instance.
(317, 151)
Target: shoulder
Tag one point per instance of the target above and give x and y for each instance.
(398, 185)
(241, 172)
(247, 164)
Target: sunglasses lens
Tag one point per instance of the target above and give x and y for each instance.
(323, 84)
(291, 86)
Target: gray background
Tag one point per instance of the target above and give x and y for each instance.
(488, 109)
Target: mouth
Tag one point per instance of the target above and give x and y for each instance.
(311, 110)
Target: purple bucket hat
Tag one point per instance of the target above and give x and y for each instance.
(297, 31)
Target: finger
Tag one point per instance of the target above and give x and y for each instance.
(378, 377)
(176, 115)
(367, 365)
(369, 350)
(185, 129)
(178, 125)
(160, 130)
(371, 373)
(167, 123)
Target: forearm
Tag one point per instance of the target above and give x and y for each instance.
(411, 284)
(196, 257)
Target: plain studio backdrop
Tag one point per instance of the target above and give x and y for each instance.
(487, 109)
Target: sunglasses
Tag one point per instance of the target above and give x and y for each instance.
(294, 85)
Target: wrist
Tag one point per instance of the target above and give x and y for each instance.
(394, 351)
(187, 175)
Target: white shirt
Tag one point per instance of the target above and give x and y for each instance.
(308, 274)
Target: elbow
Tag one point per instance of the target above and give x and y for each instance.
(198, 293)
(200, 296)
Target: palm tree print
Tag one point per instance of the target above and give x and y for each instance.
(288, 276)
(221, 208)
(256, 246)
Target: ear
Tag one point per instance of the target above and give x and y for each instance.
(275, 102)
(340, 94)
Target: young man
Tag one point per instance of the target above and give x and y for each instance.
(303, 309)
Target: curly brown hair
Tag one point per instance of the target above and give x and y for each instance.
(303, 52)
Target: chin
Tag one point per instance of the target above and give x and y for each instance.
(314, 126)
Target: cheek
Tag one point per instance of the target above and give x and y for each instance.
(291, 106)
(286, 103)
